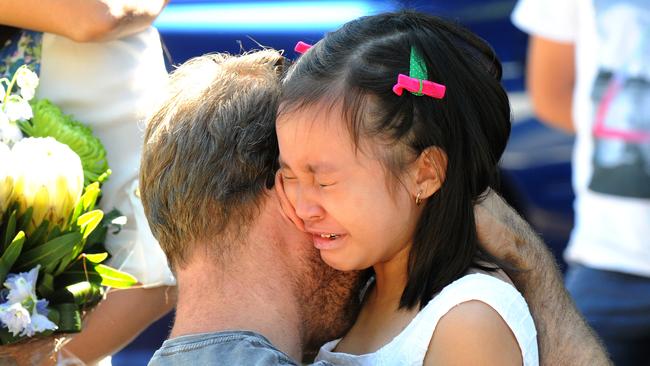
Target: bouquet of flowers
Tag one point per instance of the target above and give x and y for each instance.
(51, 233)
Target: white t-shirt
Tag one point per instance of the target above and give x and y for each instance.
(611, 113)
(110, 86)
(410, 346)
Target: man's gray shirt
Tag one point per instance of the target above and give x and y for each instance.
(221, 348)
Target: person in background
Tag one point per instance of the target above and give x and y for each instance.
(588, 73)
(101, 62)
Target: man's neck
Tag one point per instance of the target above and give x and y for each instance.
(252, 292)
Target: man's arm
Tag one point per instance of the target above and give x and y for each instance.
(550, 78)
(82, 20)
(564, 337)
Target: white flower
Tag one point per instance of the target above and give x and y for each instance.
(6, 178)
(18, 109)
(27, 80)
(9, 131)
(15, 317)
(22, 286)
(2, 91)
(47, 177)
(14, 313)
(39, 323)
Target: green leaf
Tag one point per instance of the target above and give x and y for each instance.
(83, 269)
(49, 254)
(112, 277)
(80, 293)
(76, 275)
(11, 254)
(95, 258)
(65, 261)
(55, 317)
(46, 286)
(8, 338)
(87, 201)
(89, 221)
(104, 176)
(38, 236)
(86, 224)
(23, 221)
(98, 236)
(69, 317)
(56, 232)
(10, 230)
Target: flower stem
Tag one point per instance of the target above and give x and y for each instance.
(11, 85)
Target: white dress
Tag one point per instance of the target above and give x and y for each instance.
(111, 86)
(410, 346)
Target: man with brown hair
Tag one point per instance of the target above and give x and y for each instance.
(252, 289)
(208, 163)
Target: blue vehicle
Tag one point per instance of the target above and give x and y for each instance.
(536, 168)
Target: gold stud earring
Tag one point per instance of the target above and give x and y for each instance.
(417, 199)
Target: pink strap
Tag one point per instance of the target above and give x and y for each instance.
(414, 85)
(302, 47)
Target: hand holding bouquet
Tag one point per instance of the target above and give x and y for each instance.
(51, 233)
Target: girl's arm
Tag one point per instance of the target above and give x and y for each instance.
(82, 20)
(117, 320)
(472, 333)
(563, 336)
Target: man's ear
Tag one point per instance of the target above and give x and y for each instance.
(288, 210)
(430, 171)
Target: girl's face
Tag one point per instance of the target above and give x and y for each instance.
(341, 194)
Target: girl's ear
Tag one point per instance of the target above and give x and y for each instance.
(288, 210)
(430, 171)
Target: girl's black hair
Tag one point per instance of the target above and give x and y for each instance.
(357, 65)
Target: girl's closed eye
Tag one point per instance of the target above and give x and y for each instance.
(325, 185)
(326, 180)
(287, 176)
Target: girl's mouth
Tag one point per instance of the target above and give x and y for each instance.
(327, 241)
(330, 236)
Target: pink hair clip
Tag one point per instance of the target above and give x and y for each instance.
(302, 47)
(414, 85)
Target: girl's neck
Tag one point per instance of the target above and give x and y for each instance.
(381, 320)
(390, 278)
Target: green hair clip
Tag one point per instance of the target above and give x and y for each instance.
(417, 68)
(416, 82)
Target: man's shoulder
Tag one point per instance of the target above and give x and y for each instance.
(220, 348)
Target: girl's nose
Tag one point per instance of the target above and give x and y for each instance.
(307, 208)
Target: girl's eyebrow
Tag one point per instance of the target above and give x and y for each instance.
(321, 167)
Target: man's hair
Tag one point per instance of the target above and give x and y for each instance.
(210, 150)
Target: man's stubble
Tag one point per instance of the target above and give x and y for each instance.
(329, 300)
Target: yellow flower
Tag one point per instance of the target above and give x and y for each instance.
(6, 178)
(47, 177)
